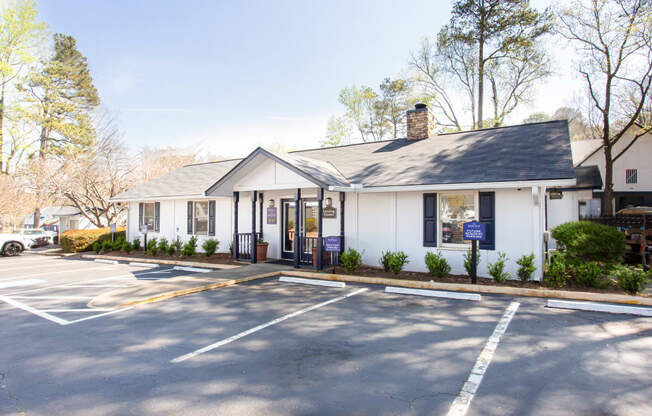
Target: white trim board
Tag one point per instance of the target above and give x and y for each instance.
(315, 282)
(433, 293)
(599, 307)
(551, 183)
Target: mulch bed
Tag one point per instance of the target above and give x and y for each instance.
(369, 271)
(217, 258)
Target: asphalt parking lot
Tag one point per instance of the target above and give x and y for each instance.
(269, 347)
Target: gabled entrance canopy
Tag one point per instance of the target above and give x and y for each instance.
(267, 170)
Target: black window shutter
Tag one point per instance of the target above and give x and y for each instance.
(140, 214)
(157, 216)
(487, 215)
(211, 217)
(430, 220)
(190, 217)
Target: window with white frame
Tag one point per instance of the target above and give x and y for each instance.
(149, 215)
(631, 175)
(454, 210)
(201, 218)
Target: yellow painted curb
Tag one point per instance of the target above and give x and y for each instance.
(177, 293)
(462, 287)
(163, 261)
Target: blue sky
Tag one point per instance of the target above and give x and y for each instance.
(226, 76)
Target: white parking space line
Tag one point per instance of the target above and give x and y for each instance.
(35, 311)
(73, 286)
(433, 293)
(315, 282)
(25, 282)
(100, 315)
(49, 273)
(599, 307)
(40, 265)
(263, 326)
(463, 400)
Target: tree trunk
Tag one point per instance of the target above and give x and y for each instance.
(608, 196)
(480, 81)
(3, 169)
(41, 156)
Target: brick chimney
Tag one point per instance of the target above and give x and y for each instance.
(420, 123)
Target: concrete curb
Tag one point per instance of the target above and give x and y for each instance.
(177, 293)
(462, 287)
(328, 283)
(433, 293)
(162, 261)
(599, 307)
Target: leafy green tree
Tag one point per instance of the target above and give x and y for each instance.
(338, 132)
(61, 95)
(21, 34)
(396, 99)
(613, 43)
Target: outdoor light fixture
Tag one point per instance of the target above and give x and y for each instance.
(329, 201)
(271, 202)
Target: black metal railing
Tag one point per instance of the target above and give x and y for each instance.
(308, 247)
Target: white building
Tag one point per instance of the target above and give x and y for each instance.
(409, 194)
(60, 219)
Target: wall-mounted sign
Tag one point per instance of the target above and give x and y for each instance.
(271, 215)
(474, 231)
(556, 194)
(330, 212)
(143, 228)
(332, 243)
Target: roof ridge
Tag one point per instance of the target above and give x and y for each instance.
(214, 161)
(502, 127)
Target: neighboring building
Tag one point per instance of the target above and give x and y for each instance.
(632, 173)
(409, 194)
(60, 219)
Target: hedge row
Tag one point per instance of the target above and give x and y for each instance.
(74, 241)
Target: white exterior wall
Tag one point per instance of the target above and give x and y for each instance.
(636, 157)
(394, 221)
(173, 222)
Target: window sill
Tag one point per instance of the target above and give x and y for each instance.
(455, 247)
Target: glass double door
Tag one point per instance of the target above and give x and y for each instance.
(308, 227)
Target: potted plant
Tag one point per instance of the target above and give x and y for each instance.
(261, 250)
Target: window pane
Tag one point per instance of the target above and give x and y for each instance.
(201, 210)
(201, 226)
(148, 210)
(455, 210)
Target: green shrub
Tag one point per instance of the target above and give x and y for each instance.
(526, 267)
(97, 247)
(497, 269)
(589, 274)
(468, 261)
(558, 271)
(588, 241)
(136, 243)
(397, 261)
(152, 247)
(437, 265)
(127, 246)
(384, 260)
(75, 241)
(106, 246)
(631, 279)
(190, 247)
(178, 246)
(163, 244)
(351, 260)
(210, 246)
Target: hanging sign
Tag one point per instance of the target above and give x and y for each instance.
(556, 194)
(474, 231)
(330, 212)
(271, 215)
(332, 243)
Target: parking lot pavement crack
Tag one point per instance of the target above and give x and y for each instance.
(12, 398)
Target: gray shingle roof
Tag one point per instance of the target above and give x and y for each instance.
(191, 180)
(537, 151)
